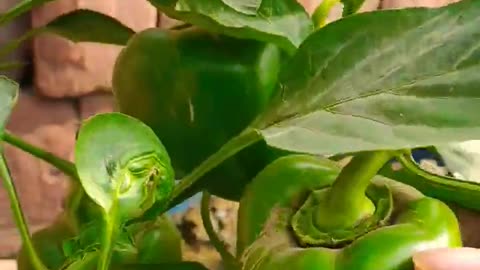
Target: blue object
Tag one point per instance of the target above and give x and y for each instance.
(419, 154)
(182, 207)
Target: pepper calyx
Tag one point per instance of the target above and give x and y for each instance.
(308, 233)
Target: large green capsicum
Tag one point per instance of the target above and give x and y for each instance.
(280, 226)
(197, 90)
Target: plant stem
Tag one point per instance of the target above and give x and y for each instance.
(321, 13)
(109, 236)
(18, 215)
(63, 165)
(19, 9)
(235, 145)
(73, 202)
(229, 260)
(355, 177)
(347, 203)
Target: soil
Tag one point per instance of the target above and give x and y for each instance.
(196, 246)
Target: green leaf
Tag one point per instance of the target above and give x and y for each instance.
(249, 7)
(78, 26)
(351, 6)
(89, 26)
(361, 84)
(284, 22)
(8, 98)
(20, 9)
(125, 169)
(122, 164)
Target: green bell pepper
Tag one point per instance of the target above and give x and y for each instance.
(158, 241)
(48, 242)
(273, 235)
(197, 90)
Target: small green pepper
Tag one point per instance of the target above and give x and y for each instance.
(270, 238)
(48, 242)
(197, 90)
(158, 241)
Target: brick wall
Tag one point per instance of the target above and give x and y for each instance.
(70, 83)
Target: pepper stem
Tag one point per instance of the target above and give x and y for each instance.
(346, 203)
(228, 259)
(109, 236)
(63, 165)
(232, 147)
(18, 215)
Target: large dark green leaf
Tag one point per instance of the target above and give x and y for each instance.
(78, 26)
(8, 98)
(90, 26)
(284, 22)
(382, 80)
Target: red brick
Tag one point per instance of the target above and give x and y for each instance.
(95, 104)
(66, 69)
(51, 125)
(14, 30)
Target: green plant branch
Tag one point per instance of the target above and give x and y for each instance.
(321, 13)
(356, 176)
(18, 215)
(235, 145)
(13, 44)
(11, 65)
(73, 203)
(21, 8)
(229, 260)
(63, 165)
(108, 238)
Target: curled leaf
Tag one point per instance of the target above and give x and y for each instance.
(122, 165)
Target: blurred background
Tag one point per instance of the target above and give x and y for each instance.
(63, 83)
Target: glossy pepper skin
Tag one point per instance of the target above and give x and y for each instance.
(266, 242)
(158, 242)
(197, 90)
(48, 243)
